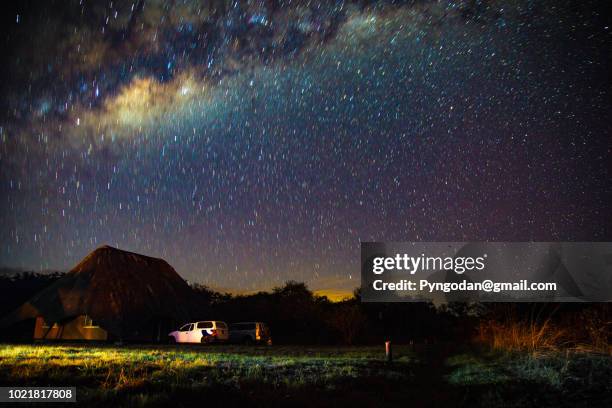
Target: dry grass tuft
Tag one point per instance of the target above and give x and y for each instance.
(587, 331)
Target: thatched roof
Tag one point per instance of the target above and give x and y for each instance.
(120, 290)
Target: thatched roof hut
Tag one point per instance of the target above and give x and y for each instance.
(127, 295)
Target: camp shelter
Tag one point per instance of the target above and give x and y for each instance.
(110, 295)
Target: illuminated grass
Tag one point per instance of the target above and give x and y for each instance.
(105, 371)
(350, 376)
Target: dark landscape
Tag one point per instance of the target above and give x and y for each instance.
(333, 354)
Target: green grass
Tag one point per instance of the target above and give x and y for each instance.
(134, 376)
(137, 375)
(546, 379)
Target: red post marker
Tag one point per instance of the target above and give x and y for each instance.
(388, 352)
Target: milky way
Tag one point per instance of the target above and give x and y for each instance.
(251, 143)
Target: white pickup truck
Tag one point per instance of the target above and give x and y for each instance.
(210, 331)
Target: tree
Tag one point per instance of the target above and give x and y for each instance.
(348, 320)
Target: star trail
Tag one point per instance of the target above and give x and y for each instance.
(253, 142)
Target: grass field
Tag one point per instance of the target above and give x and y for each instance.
(303, 376)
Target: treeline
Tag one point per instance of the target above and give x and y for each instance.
(17, 288)
(297, 316)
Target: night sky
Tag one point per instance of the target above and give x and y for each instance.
(249, 143)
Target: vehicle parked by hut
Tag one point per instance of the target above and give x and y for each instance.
(209, 331)
(250, 333)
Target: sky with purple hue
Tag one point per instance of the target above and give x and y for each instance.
(250, 143)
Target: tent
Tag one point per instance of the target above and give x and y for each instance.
(110, 295)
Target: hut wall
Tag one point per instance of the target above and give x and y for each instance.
(74, 329)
